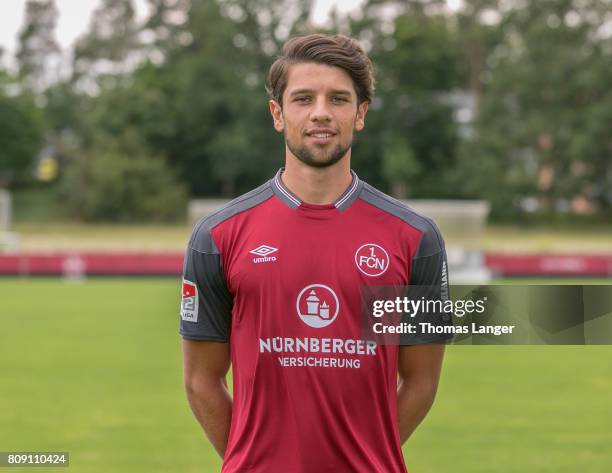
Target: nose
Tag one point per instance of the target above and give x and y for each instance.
(320, 111)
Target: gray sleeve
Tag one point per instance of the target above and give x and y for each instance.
(206, 302)
(429, 280)
(429, 266)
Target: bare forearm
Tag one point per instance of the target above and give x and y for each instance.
(212, 407)
(413, 404)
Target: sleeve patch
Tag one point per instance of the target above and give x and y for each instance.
(189, 302)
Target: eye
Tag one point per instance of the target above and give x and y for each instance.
(339, 99)
(301, 99)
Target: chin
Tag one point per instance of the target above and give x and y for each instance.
(321, 162)
(315, 160)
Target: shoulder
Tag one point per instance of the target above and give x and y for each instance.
(431, 239)
(201, 239)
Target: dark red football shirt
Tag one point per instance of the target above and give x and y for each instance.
(280, 280)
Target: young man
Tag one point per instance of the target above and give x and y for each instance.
(272, 288)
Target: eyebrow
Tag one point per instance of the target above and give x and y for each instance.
(309, 91)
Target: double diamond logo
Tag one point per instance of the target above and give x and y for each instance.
(263, 252)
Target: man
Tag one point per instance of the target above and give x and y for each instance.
(272, 288)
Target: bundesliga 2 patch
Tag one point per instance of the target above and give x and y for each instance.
(189, 302)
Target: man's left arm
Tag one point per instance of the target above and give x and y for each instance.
(420, 357)
(419, 369)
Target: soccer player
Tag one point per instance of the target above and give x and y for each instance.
(271, 287)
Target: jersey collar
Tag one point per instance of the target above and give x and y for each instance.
(342, 203)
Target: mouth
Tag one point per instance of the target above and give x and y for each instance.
(321, 135)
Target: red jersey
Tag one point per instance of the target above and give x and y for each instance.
(280, 280)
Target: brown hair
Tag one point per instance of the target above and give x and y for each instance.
(332, 50)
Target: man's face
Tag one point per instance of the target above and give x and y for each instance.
(319, 113)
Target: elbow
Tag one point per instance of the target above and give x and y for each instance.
(425, 390)
(200, 386)
(192, 387)
(195, 386)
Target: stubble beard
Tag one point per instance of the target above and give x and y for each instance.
(324, 158)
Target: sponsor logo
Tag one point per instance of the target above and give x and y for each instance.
(371, 259)
(318, 352)
(263, 253)
(317, 305)
(189, 302)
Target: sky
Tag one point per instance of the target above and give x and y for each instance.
(74, 16)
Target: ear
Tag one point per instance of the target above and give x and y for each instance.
(362, 109)
(277, 115)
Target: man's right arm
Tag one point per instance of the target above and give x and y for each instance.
(206, 311)
(205, 366)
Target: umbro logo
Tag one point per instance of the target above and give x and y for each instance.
(263, 253)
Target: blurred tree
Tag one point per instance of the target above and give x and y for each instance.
(21, 132)
(498, 95)
(265, 25)
(164, 29)
(61, 107)
(110, 47)
(400, 166)
(37, 50)
(204, 106)
(417, 63)
(67, 121)
(478, 34)
(220, 94)
(545, 105)
(119, 179)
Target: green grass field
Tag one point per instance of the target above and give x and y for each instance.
(94, 368)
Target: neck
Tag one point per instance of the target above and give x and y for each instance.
(317, 185)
